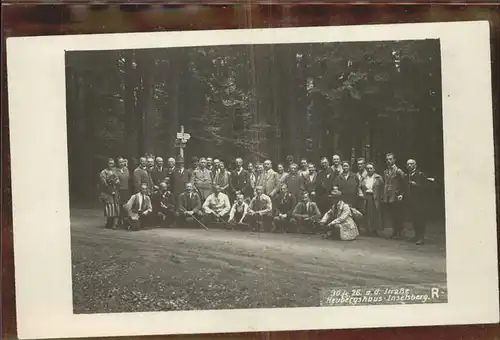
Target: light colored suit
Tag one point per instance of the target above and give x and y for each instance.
(270, 182)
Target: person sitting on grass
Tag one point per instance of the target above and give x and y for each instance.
(239, 210)
(216, 206)
(306, 213)
(139, 209)
(338, 220)
(164, 204)
(260, 210)
(284, 204)
(189, 207)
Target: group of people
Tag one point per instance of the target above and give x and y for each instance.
(333, 200)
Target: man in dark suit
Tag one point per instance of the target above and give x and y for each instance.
(324, 184)
(393, 195)
(414, 197)
(284, 203)
(170, 168)
(159, 173)
(180, 177)
(164, 205)
(239, 179)
(310, 181)
(189, 206)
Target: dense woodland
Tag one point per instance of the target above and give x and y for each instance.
(255, 101)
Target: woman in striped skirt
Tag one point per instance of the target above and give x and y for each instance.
(110, 197)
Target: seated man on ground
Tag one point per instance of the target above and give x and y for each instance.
(306, 213)
(284, 204)
(139, 209)
(164, 205)
(260, 210)
(239, 210)
(189, 207)
(216, 206)
(338, 219)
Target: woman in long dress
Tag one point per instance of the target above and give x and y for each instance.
(109, 196)
(372, 188)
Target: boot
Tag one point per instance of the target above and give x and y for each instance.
(114, 223)
(109, 222)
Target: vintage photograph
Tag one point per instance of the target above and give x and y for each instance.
(256, 176)
(253, 180)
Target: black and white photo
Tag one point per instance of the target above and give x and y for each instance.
(164, 139)
(279, 174)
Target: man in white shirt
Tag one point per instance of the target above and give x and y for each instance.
(239, 210)
(139, 208)
(216, 206)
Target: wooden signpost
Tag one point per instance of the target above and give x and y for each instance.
(181, 140)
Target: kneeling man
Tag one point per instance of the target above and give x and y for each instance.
(284, 204)
(260, 210)
(338, 219)
(306, 213)
(165, 205)
(216, 206)
(239, 210)
(139, 209)
(189, 207)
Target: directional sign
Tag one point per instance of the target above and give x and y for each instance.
(181, 141)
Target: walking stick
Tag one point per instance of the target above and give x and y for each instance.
(197, 220)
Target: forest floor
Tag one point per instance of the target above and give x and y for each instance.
(185, 269)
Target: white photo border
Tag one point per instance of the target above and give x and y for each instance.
(40, 199)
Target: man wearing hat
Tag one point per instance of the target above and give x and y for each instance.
(338, 220)
(180, 177)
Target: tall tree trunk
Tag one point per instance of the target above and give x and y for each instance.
(129, 104)
(175, 80)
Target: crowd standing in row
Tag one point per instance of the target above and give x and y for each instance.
(333, 201)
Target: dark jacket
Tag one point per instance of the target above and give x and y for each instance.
(187, 203)
(167, 198)
(324, 181)
(240, 181)
(414, 193)
(310, 185)
(394, 179)
(349, 187)
(178, 180)
(158, 176)
(284, 204)
(295, 184)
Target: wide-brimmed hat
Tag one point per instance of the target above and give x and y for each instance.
(336, 193)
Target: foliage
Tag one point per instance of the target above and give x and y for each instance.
(254, 101)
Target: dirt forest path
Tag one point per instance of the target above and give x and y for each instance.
(179, 269)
